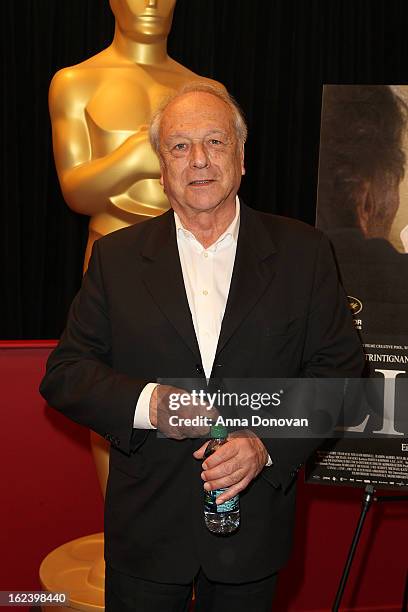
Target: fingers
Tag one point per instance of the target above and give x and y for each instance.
(181, 415)
(232, 491)
(180, 432)
(234, 465)
(228, 473)
(224, 453)
(199, 453)
(227, 481)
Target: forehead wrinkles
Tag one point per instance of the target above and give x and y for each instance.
(197, 111)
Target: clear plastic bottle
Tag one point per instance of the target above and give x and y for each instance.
(224, 518)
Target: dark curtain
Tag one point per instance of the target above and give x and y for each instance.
(272, 55)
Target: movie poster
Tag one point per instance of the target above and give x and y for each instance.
(363, 208)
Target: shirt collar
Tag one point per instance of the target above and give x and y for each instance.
(230, 233)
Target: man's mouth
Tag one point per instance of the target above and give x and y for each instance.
(201, 182)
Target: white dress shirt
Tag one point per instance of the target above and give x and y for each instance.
(207, 278)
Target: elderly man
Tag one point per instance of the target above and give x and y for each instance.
(209, 289)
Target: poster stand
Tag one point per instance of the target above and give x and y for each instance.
(368, 498)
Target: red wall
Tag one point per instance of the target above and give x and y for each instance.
(49, 489)
(50, 495)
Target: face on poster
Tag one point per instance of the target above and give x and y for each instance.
(399, 228)
(363, 202)
(363, 183)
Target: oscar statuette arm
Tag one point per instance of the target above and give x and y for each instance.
(88, 182)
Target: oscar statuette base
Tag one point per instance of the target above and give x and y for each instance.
(78, 569)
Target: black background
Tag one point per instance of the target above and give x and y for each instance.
(273, 56)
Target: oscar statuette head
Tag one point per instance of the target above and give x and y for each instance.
(143, 20)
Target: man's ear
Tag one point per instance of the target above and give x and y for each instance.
(364, 206)
(161, 171)
(242, 154)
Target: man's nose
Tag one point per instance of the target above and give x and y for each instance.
(151, 3)
(199, 156)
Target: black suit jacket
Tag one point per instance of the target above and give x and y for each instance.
(286, 316)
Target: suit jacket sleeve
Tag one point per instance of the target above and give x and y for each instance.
(80, 381)
(332, 349)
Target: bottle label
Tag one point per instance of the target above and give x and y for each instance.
(210, 506)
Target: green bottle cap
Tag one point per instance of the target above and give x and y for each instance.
(218, 431)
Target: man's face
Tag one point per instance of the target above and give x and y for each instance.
(377, 206)
(201, 159)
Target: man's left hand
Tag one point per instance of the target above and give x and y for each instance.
(233, 465)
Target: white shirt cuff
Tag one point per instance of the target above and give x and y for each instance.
(141, 419)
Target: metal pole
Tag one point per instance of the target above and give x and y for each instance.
(367, 500)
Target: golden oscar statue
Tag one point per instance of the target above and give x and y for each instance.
(100, 110)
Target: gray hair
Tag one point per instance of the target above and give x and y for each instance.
(240, 126)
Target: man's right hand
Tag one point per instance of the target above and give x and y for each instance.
(178, 414)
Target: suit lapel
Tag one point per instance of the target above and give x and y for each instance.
(163, 278)
(253, 272)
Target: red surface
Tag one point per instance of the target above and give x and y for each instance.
(50, 495)
(49, 489)
(326, 519)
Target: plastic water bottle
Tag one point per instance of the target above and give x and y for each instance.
(223, 518)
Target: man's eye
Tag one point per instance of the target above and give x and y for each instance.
(214, 141)
(180, 146)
